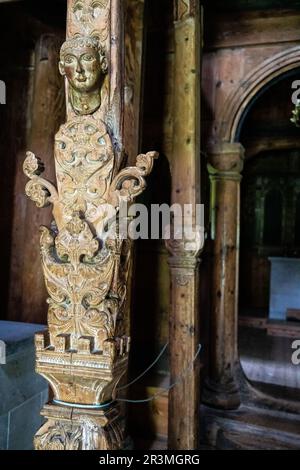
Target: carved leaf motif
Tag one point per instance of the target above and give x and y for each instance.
(84, 353)
(84, 165)
(92, 14)
(76, 287)
(60, 437)
(130, 182)
(39, 190)
(87, 434)
(32, 165)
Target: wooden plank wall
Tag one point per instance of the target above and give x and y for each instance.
(234, 44)
(31, 116)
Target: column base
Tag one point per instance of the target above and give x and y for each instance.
(219, 395)
(80, 429)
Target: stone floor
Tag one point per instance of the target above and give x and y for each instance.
(268, 359)
(22, 391)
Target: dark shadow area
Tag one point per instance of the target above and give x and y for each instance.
(150, 304)
(22, 24)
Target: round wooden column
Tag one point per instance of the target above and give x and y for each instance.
(225, 166)
(183, 429)
(184, 342)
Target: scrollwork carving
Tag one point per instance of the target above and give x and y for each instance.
(85, 352)
(130, 182)
(87, 435)
(184, 9)
(39, 190)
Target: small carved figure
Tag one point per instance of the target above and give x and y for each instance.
(83, 63)
(296, 114)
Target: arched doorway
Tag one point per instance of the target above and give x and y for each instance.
(269, 303)
(226, 157)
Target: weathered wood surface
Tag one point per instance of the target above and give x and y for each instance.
(22, 38)
(184, 263)
(84, 353)
(134, 67)
(47, 114)
(234, 46)
(243, 53)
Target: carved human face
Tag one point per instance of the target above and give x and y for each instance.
(82, 69)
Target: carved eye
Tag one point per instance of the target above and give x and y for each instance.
(88, 57)
(101, 141)
(69, 59)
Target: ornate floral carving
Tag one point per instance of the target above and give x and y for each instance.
(60, 437)
(87, 435)
(130, 182)
(85, 352)
(87, 12)
(39, 190)
(84, 164)
(85, 269)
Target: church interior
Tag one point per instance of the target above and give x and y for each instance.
(155, 344)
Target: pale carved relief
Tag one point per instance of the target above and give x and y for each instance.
(91, 17)
(184, 9)
(83, 62)
(88, 11)
(85, 433)
(84, 353)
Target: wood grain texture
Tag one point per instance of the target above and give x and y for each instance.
(134, 66)
(48, 112)
(84, 353)
(184, 264)
(226, 163)
(34, 57)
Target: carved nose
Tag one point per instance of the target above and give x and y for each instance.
(78, 67)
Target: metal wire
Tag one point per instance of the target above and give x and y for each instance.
(146, 400)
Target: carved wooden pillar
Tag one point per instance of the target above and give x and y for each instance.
(226, 164)
(84, 353)
(184, 260)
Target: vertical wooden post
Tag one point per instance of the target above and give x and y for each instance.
(84, 353)
(134, 46)
(226, 164)
(184, 261)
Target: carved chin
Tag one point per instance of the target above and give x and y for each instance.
(83, 86)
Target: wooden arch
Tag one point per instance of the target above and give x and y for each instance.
(254, 82)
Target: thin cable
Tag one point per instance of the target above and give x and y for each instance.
(146, 400)
(145, 372)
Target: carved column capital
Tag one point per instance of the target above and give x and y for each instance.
(226, 161)
(185, 9)
(185, 253)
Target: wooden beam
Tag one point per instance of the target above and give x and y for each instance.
(184, 261)
(134, 44)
